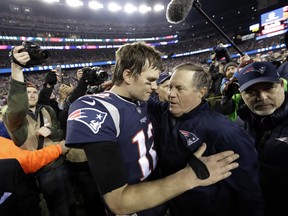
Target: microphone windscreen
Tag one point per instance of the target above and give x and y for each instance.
(177, 10)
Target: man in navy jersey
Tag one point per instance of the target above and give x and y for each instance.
(116, 134)
(184, 124)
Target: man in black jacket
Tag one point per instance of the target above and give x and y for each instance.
(266, 117)
(17, 196)
(183, 125)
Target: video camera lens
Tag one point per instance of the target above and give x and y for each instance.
(95, 75)
(44, 54)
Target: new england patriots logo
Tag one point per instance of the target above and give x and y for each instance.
(190, 137)
(93, 118)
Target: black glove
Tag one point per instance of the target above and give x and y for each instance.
(51, 78)
(199, 168)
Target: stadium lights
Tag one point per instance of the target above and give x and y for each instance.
(158, 7)
(95, 5)
(51, 1)
(114, 7)
(74, 3)
(129, 8)
(144, 9)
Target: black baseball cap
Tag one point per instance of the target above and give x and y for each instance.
(257, 72)
(163, 77)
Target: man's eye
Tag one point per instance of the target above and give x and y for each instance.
(268, 88)
(250, 92)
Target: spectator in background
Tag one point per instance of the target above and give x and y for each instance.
(119, 142)
(230, 69)
(229, 90)
(185, 123)
(265, 113)
(3, 130)
(64, 92)
(161, 93)
(217, 74)
(47, 96)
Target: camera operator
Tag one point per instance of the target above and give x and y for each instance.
(90, 81)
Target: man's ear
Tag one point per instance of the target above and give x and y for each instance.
(203, 92)
(127, 75)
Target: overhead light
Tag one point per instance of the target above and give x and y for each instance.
(74, 3)
(51, 1)
(158, 7)
(114, 7)
(129, 8)
(144, 9)
(95, 5)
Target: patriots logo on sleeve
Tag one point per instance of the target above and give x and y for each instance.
(92, 118)
(189, 136)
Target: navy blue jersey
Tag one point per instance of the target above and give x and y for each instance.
(108, 117)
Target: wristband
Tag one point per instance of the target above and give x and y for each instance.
(199, 167)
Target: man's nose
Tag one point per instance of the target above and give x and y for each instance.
(261, 95)
(154, 85)
(171, 92)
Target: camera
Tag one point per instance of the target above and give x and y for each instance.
(232, 87)
(219, 53)
(95, 75)
(37, 55)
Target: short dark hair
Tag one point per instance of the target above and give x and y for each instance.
(134, 56)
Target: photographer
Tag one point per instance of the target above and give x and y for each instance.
(33, 126)
(230, 93)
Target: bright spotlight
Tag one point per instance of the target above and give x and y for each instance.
(144, 9)
(114, 7)
(95, 5)
(129, 8)
(51, 1)
(74, 3)
(158, 7)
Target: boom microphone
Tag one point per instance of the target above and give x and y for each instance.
(177, 10)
